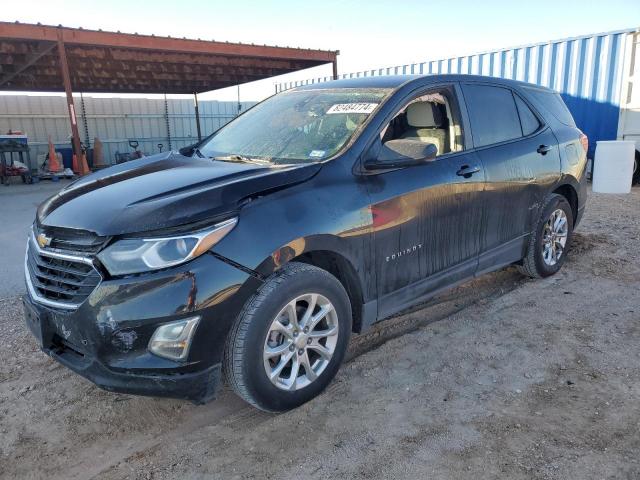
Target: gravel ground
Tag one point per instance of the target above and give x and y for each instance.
(502, 377)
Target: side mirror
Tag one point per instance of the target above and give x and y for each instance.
(402, 153)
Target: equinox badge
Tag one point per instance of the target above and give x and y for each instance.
(406, 251)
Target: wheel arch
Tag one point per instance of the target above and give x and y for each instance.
(570, 193)
(341, 268)
(333, 254)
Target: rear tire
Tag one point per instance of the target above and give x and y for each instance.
(550, 240)
(289, 340)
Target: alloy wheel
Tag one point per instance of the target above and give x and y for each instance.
(300, 342)
(554, 237)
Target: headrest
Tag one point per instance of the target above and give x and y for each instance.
(424, 115)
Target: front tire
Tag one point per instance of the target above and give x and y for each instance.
(550, 240)
(288, 342)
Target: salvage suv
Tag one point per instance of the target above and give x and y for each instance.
(255, 254)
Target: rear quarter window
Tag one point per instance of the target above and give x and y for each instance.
(552, 102)
(528, 120)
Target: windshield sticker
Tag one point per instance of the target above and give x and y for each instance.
(366, 108)
(316, 154)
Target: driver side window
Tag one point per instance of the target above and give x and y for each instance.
(429, 118)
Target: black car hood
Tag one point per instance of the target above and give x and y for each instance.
(163, 191)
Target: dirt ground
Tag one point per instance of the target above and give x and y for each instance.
(502, 377)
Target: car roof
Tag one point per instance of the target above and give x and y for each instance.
(396, 81)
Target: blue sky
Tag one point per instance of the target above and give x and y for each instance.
(369, 34)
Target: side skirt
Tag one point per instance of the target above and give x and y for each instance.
(503, 255)
(423, 290)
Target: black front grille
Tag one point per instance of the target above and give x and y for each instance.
(64, 280)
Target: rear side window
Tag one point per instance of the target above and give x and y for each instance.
(492, 113)
(553, 103)
(528, 120)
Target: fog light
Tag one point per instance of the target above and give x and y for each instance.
(172, 340)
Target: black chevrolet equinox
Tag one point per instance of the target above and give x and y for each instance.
(255, 254)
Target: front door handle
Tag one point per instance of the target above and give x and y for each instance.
(466, 171)
(543, 149)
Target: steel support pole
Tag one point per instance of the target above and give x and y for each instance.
(66, 80)
(335, 69)
(197, 110)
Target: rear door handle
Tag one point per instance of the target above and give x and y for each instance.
(466, 171)
(543, 149)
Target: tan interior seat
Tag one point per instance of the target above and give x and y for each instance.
(426, 124)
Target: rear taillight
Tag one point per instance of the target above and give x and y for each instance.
(584, 140)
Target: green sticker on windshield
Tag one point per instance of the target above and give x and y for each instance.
(316, 154)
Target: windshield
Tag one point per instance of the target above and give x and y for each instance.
(295, 127)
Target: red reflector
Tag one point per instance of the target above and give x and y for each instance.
(584, 140)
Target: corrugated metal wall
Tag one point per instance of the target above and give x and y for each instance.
(586, 70)
(114, 120)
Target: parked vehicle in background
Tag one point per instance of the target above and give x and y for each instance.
(315, 214)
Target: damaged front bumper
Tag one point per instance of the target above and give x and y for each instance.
(106, 338)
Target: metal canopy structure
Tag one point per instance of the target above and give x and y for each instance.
(130, 63)
(41, 58)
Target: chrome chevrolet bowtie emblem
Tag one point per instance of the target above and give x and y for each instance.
(43, 240)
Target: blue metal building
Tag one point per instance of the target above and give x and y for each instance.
(586, 70)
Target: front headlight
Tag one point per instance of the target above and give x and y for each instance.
(136, 255)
